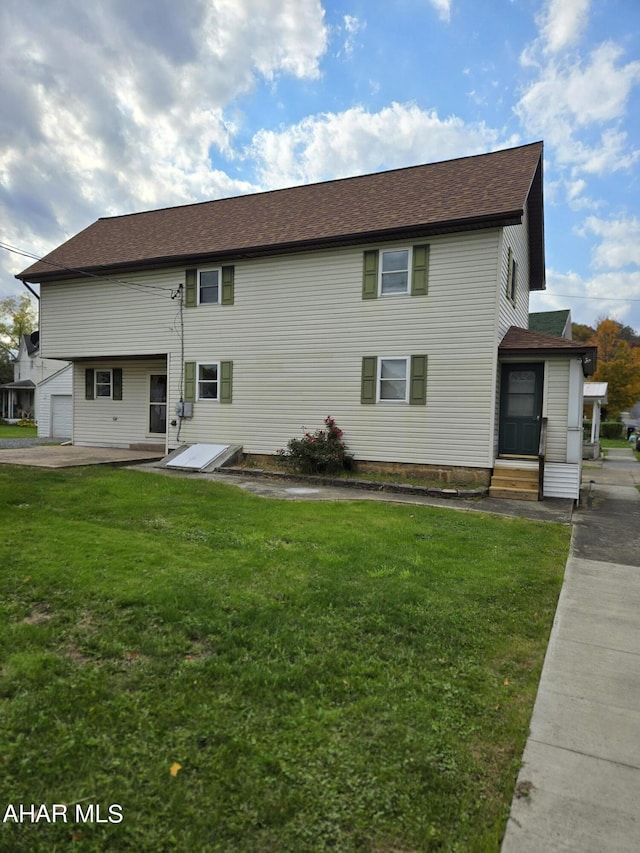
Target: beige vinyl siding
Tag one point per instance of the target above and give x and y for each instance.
(514, 237)
(296, 336)
(116, 423)
(555, 409)
(104, 318)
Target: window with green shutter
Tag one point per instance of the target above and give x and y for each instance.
(208, 381)
(210, 286)
(394, 379)
(395, 272)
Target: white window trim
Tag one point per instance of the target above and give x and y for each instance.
(199, 273)
(200, 364)
(409, 251)
(407, 378)
(97, 396)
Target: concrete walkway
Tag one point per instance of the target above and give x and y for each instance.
(579, 787)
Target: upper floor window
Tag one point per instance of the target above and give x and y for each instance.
(209, 286)
(394, 271)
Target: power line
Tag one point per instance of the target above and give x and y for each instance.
(122, 282)
(598, 298)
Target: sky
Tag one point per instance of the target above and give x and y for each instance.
(117, 106)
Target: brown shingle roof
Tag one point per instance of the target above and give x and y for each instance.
(471, 192)
(519, 340)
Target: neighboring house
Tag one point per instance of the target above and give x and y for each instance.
(396, 302)
(34, 380)
(552, 323)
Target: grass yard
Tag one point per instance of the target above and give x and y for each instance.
(231, 673)
(13, 431)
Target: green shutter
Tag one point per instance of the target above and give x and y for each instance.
(227, 285)
(418, 381)
(370, 275)
(116, 391)
(369, 379)
(420, 272)
(226, 381)
(89, 384)
(189, 381)
(191, 288)
(509, 274)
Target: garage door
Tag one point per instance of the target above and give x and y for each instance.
(61, 417)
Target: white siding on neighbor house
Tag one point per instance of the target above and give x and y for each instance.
(116, 423)
(57, 385)
(296, 334)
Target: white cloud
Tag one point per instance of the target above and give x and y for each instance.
(121, 105)
(577, 106)
(620, 243)
(104, 99)
(357, 141)
(443, 8)
(562, 23)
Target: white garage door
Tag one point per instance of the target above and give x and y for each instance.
(61, 416)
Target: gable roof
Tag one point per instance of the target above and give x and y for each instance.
(486, 190)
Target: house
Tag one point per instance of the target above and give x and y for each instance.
(552, 323)
(396, 302)
(40, 391)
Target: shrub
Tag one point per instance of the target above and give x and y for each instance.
(322, 452)
(612, 429)
(26, 422)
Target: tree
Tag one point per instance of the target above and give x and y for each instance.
(618, 365)
(18, 317)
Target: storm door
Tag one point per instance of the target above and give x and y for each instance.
(158, 403)
(520, 409)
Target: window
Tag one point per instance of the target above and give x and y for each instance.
(392, 379)
(103, 383)
(208, 286)
(208, 381)
(394, 272)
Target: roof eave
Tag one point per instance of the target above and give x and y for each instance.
(418, 231)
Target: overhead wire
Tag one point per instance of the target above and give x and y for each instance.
(79, 271)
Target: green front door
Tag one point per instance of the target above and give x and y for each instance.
(520, 409)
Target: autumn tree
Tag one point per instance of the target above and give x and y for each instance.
(18, 317)
(618, 365)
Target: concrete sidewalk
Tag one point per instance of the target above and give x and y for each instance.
(579, 787)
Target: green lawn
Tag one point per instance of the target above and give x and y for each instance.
(12, 431)
(242, 674)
